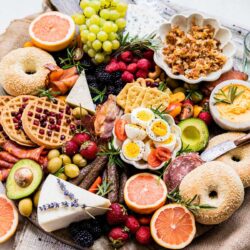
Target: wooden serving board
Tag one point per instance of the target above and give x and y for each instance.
(69, 7)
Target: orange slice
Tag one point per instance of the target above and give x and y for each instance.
(8, 218)
(144, 193)
(52, 31)
(173, 226)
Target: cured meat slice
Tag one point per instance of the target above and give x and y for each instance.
(179, 168)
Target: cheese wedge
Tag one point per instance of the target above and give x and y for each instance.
(80, 94)
(57, 218)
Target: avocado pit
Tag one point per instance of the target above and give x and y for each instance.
(23, 177)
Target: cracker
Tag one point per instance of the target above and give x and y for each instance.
(122, 97)
(155, 98)
(139, 98)
(133, 93)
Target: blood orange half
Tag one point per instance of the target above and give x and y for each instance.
(8, 218)
(52, 31)
(173, 226)
(144, 193)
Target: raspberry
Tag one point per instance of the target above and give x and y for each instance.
(127, 77)
(126, 56)
(141, 73)
(112, 67)
(132, 67)
(148, 54)
(122, 66)
(143, 64)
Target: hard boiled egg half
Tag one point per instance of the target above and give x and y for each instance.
(142, 116)
(169, 143)
(133, 150)
(149, 146)
(135, 132)
(158, 130)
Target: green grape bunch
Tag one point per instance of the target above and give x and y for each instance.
(99, 25)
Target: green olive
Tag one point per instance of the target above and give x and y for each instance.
(179, 89)
(53, 153)
(191, 86)
(196, 96)
(25, 207)
(172, 83)
(65, 159)
(78, 112)
(62, 176)
(79, 160)
(71, 170)
(36, 198)
(54, 164)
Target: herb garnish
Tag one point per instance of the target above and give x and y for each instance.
(160, 113)
(184, 150)
(222, 97)
(189, 204)
(136, 43)
(162, 86)
(99, 95)
(105, 188)
(49, 93)
(113, 155)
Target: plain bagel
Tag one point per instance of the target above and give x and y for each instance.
(215, 184)
(22, 71)
(238, 158)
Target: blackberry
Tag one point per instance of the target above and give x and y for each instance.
(86, 61)
(100, 69)
(104, 78)
(116, 75)
(111, 89)
(93, 85)
(84, 238)
(94, 227)
(75, 228)
(91, 78)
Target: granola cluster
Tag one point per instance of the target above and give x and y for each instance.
(195, 53)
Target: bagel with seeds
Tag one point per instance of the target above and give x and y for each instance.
(22, 71)
(217, 185)
(238, 158)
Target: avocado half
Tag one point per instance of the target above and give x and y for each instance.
(24, 178)
(194, 134)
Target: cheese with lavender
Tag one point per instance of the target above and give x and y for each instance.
(80, 94)
(61, 203)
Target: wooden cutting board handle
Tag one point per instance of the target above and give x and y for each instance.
(242, 140)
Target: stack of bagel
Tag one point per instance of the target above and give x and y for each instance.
(220, 183)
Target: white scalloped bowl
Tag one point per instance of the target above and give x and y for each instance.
(184, 21)
(222, 121)
(142, 164)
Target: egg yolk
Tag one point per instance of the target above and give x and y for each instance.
(131, 150)
(144, 116)
(170, 139)
(159, 128)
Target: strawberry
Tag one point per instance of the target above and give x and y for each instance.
(143, 235)
(126, 56)
(127, 77)
(112, 67)
(89, 150)
(118, 236)
(122, 66)
(144, 219)
(143, 64)
(148, 54)
(132, 224)
(206, 117)
(117, 214)
(141, 73)
(132, 67)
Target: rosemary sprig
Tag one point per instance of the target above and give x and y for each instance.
(136, 43)
(105, 188)
(175, 196)
(72, 59)
(222, 97)
(159, 113)
(59, 171)
(49, 93)
(99, 94)
(184, 150)
(162, 86)
(113, 155)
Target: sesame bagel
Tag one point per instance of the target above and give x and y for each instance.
(22, 71)
(238, 158)
(217, 185)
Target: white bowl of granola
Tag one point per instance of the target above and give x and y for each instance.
(195, 48)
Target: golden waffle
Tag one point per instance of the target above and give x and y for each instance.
(11, 119)
(48, 124)
(3, 101)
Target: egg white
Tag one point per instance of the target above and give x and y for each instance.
(134, 132)
(169, 143)
(148, 148)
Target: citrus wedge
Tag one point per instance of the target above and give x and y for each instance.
(173, 226)
(144, 193)
(8, 218)
(52, 31)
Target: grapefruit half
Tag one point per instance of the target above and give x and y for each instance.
(8, 218)
(173, 226)
(144, 193)
(52, 31)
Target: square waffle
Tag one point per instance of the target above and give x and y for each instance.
(48, 124)
(3, 101)
(11, 119)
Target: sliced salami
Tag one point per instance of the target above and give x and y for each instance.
(179, 168)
